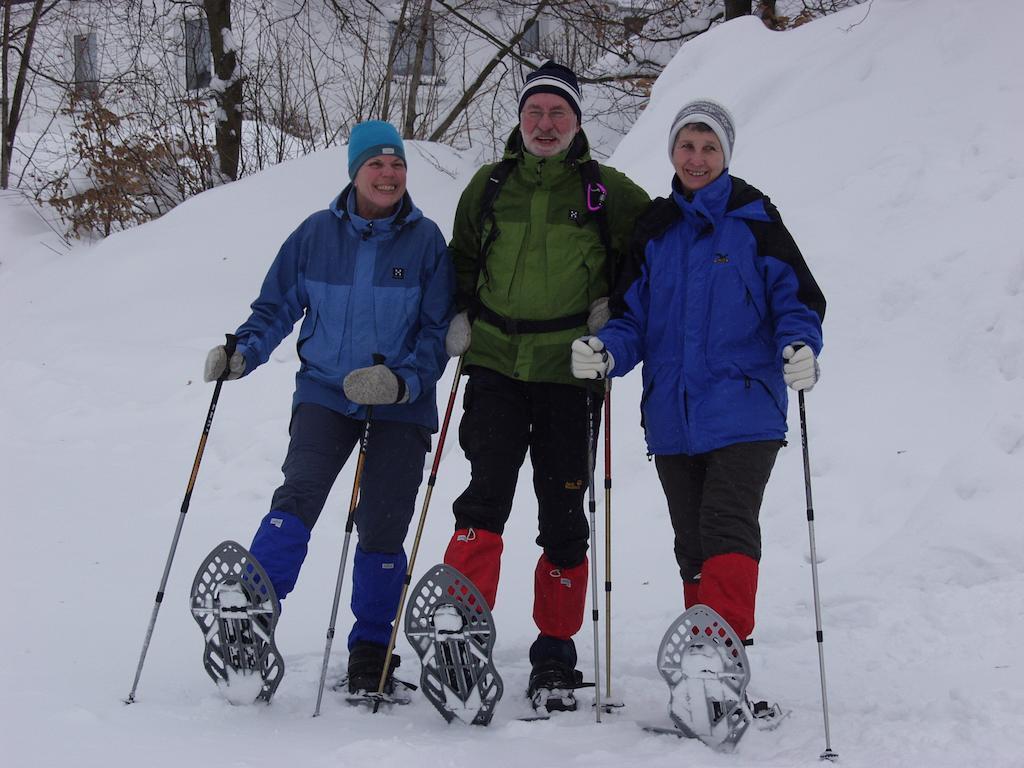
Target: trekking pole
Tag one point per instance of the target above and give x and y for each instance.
(349, 524)
(608, 540)
(229, 347)
(828, 754)
(592, 504)
(419, 534)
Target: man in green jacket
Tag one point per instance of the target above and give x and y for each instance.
(538, 243)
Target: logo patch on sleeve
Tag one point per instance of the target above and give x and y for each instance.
(398, 273)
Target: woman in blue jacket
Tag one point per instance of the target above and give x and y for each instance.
(372, 279)
(724, 314)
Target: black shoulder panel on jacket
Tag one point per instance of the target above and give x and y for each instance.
(660, 214)
(743, 194)
(655, 220)
(773, 239)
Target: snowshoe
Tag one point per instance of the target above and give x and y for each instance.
(552, 687)
(705, 665)
(449, 625)
(235, 606)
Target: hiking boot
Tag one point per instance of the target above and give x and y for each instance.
(365, 664)
(552, 686)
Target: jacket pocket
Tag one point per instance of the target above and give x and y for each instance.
(648, 391)
(739, 331)
(763, 382)
(306, 331)
(397, 316)
(322, 341)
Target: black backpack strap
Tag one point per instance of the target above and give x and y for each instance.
(511, 326)
(486, 220)
(596, 194)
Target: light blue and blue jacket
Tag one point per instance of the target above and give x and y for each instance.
(722, 290)
(363, 288)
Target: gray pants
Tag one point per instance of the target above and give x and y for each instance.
(714, 501)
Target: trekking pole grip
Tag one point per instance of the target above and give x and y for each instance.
(230, 345)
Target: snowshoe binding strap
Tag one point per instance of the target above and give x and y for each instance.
(767, 715)
(365, 664)
(552, 687)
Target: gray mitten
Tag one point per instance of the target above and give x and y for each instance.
(600, 314)
(459, 334)
(217, 363)
(375, 385)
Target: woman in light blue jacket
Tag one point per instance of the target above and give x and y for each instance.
(372, 279)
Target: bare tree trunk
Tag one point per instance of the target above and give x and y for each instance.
(229, 92)
(11, 107)
(393, 49)
(6, 147)
(736, 8)
(416, 75)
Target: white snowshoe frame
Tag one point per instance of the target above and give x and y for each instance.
(235, 606)
(458, 675)
(705, 665)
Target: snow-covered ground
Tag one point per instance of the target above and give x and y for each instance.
(889, 137)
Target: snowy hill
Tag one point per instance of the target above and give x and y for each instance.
(889, 137)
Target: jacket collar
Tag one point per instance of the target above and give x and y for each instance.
(709, 203)
(343, 206)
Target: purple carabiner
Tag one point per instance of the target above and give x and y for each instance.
(601, 193)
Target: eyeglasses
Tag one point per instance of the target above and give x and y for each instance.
(554, 115)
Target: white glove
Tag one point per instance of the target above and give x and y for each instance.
(217, 364)
(800, 370)
(600, 313)
(456, 342)
(375, 385)
(590, 360)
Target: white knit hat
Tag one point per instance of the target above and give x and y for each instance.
(712, 114)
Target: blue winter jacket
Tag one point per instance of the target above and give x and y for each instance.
(722, 290)
(363, 287)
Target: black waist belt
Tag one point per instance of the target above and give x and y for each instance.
(513, 327)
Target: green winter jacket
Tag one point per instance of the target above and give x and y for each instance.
(546, 260)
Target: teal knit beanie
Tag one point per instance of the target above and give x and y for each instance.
(369, 139)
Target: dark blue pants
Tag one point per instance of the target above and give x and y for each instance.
(322, 441)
